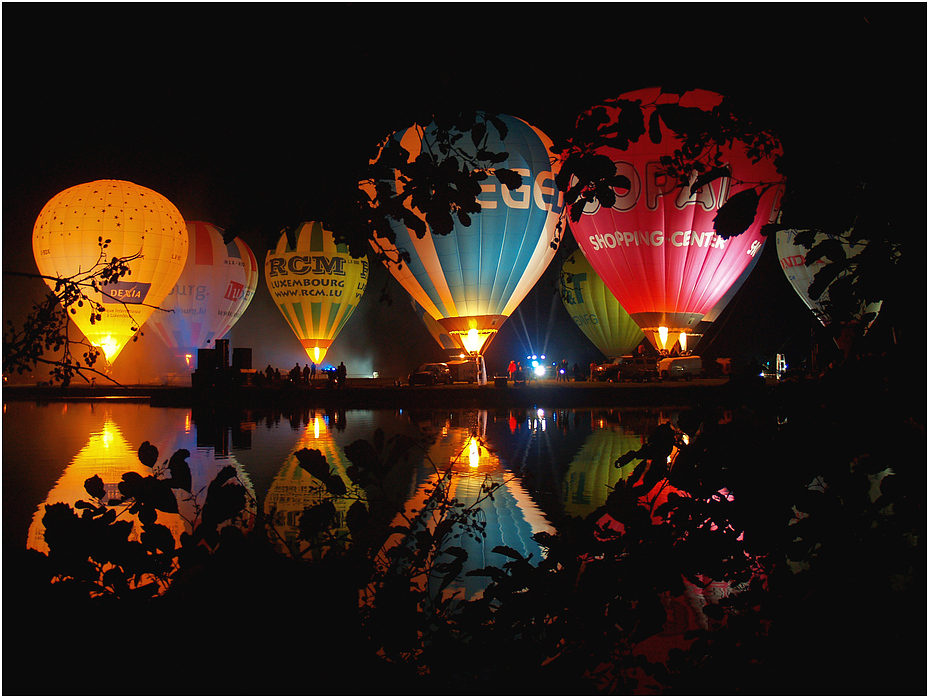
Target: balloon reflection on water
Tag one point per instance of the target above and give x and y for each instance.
(462, 467)
(293, 490)
(109, 455)
(592, 475)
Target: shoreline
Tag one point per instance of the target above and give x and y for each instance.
(374, 393)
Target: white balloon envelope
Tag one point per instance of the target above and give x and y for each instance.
(792, 257)
(215, 288)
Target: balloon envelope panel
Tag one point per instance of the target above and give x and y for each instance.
(792, 257)
(317, 285)
(474, 277)
(213, 291)
(656, 246)
(67, 239)
(595, 309)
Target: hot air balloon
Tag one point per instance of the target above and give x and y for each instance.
(472, 279)
(656, 247)
(215, 288)
(595, 309)
(793, 261)
(316, 286)
(438, 332)
(703, 327)
(132, 221)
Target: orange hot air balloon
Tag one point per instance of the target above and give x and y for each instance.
(316, 286)
(131, 221)
(215, 288)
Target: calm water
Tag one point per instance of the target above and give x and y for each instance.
(549, 463)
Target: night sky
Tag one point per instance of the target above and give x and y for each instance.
(256, 117)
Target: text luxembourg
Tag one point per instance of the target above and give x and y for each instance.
(680, 238)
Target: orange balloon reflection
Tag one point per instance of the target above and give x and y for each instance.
(109, 455)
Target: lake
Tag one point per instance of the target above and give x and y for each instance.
(547, 463)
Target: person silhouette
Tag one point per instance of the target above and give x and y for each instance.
(306, 373)
(341, 374)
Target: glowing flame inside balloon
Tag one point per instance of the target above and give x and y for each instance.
(663, 337)
(474, 340)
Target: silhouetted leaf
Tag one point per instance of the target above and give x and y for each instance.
(684, 120)
(709, 176)
(335, 485)
(823, 279)
(148, 454)
(478, 133)
(158, 537)
(654, 128)
(313, 462)
(440, 222)
(94, 487)
(831, 248)
(508, 551)
(180, 470)
(509, 178)
(224, 500)
(316, 519)
(737, 214)
(493, 572)
(357, 518)
(498, 124)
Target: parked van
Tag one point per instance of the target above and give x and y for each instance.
(627, 368)
(468, 370)
(687, 367)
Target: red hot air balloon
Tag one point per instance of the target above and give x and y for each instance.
(656, 247)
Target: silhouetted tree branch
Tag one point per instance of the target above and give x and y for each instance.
(47, 329)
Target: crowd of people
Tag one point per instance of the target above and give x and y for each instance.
(333, 377)
(562, 372)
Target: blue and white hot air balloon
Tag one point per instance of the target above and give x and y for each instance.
(472, 279)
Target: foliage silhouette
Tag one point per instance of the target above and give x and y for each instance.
(738, 549)
(47, 327)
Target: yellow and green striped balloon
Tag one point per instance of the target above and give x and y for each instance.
(316, 286)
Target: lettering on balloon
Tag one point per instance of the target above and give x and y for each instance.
(586, 319)
(574, 294)
(290, 283)
(188, 290)
(300, 265)
(543, 194)
(234, 291)
(126, 292)
(656, 238)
